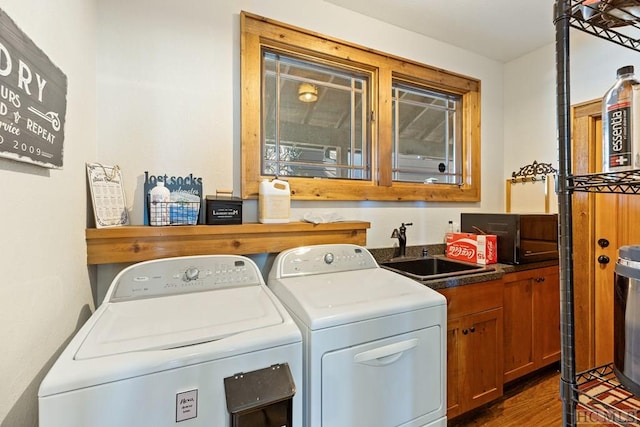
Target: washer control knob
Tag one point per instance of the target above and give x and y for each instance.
(328, 258)
(191, 273)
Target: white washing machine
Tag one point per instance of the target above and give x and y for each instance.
(169, 335)
(374, 341)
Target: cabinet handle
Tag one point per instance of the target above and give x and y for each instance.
(472, 329)
(465, 331)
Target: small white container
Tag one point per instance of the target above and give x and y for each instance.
(274, 202)
(159, 198)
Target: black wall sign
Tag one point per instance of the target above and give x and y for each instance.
(33, 100)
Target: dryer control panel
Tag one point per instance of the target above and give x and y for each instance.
(183, 275)
(320, 259)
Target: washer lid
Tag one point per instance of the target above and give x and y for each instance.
(178, 320)
(327, 300)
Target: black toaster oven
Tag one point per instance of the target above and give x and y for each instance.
(522, 238)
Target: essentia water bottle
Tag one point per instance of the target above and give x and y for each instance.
(620, 126)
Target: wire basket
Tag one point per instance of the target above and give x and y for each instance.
(173, 213)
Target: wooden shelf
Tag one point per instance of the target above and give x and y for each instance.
(142, 243)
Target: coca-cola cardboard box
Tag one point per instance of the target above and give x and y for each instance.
(470, 247)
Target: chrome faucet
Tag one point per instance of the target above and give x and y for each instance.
(401, 235)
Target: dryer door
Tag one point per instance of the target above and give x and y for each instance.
(390, 382)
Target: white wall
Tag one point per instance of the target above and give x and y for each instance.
(593, 66)
(530, 94)
(530, 114)
(168, 97)
(44, 291)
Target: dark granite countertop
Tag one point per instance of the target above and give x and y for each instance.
(386, 254)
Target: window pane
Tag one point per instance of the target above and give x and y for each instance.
(315, 121)
(427, 143)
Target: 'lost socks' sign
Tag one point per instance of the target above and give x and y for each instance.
(33, 100)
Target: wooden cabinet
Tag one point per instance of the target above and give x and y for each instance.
(531, 321)
(474, 345)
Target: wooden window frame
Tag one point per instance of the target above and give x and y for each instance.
(258, 32)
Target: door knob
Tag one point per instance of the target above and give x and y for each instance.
(603, 243)
(603, 259)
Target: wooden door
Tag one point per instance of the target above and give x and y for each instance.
(606, 213)
(618, 223)
(614, 218)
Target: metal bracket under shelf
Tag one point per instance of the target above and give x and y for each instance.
(627, 182)
(627, 36)
(604, 399)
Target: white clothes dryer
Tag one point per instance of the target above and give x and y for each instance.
(158, 351)
(374, 342)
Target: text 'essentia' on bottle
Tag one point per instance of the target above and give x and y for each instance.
(621, 123)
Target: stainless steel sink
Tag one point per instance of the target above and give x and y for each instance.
(428, 268)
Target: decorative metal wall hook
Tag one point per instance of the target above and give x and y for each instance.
(533, 172)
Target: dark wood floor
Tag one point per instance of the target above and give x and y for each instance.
(532, 401)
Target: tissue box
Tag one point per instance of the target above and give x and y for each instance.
(470, 247)
(223, 210)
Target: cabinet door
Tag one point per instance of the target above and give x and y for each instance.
(455, 367)
(547, 313)
(532, 321)
(518, 327)
(483, 373)
(474, 345)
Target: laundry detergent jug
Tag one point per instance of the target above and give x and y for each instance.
(274, 201)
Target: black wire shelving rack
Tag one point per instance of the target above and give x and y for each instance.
(627, 182)
(594, 396)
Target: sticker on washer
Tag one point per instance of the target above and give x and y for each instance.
(186, 405)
